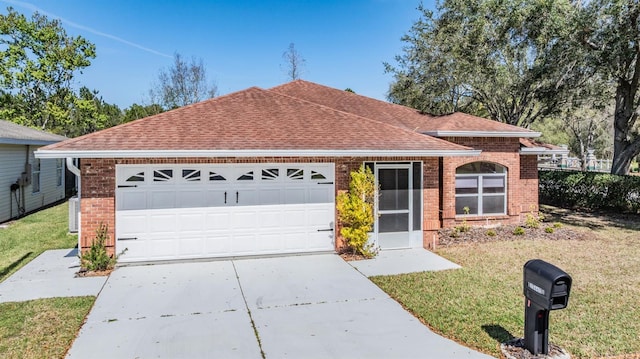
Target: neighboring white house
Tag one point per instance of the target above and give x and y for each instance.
(27, 183)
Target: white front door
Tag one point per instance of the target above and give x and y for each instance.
(196, 211)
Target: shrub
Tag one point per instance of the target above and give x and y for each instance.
(355, 211)
(557, 225)
(491, 232)
(590, 190)
(464, 226)
(518, 231)
(549, 229)
(97, 258)
(532, 221)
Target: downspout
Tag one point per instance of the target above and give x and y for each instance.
(76, 171)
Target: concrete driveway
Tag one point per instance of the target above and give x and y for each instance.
(314, 306)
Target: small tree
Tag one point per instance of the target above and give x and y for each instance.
(182, 84)
(355, 211)
(97, 258)
(294, 62)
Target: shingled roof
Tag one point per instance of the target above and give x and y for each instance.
(453, 125)
(255, 122)
(12, 133)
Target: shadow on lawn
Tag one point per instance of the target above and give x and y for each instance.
(12, 266)
(498, 333)
(592, 220)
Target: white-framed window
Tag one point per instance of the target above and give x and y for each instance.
(59, 171)
(481, 189)
(35, 176)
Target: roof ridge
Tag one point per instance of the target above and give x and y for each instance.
(386, 103)
(366, 119)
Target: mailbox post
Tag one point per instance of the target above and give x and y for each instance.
(546, 287)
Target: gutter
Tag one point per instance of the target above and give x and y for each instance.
(542, 151)
(528, 134)
(250, 153)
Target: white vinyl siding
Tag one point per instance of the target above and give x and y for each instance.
(12, 162)
(12, 159)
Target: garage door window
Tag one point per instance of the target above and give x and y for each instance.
(216, 177)
(138, 177)
(295, 173)
(270, 174)
(162, 175)
(246, 177)
(191, 175)
(317, 176)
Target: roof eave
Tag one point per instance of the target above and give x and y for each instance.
(16, 141)
(526, 134)
(542, 151)
(250, 153)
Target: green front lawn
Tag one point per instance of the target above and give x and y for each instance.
(43, 328)
(482, 304)
(28, 237)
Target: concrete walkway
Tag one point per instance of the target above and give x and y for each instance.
(51, 274)
(313, 306)
(402, 261)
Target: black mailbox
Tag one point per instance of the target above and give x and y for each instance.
(546, 287)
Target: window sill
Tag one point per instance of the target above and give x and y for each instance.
(471, 217)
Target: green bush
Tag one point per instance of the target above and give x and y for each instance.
(590, 190)
(97, 258)
(491, 232)
(518, 231)
(355, 211)
(549, 229)
(532, 221)
(557, 225)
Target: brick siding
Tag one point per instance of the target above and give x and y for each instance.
(98, 184)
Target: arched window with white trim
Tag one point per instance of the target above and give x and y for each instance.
(481, 187)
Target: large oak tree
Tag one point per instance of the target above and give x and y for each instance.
(38, 61)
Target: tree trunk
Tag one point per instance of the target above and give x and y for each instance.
(621, 158)
(624, 148)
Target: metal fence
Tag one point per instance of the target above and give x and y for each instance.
(574, 163)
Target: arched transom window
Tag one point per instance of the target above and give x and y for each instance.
(481, 189)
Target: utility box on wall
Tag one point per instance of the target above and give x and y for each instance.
(74, 214)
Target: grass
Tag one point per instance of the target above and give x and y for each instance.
(482, 304)
(28, 237)
(43, 328)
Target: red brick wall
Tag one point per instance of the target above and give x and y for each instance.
(98, 184)
(522, 179)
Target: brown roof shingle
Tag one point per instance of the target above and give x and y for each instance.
(255, 119)
(393, 114)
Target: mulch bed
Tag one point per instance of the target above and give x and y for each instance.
(451, 236)
(100, 273)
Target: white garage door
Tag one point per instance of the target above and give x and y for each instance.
(197, 211)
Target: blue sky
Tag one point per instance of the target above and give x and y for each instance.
(240, 42)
